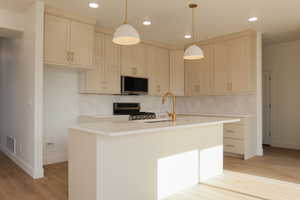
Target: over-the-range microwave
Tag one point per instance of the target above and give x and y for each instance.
(134, 85)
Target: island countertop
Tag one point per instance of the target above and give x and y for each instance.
(123, 127)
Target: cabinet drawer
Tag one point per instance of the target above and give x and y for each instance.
(234, 131)
(233, 146)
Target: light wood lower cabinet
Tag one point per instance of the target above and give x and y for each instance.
(158, 67)
(199, 74)
(68, 43)
(105, 78)
(239, 138)
(177, 72)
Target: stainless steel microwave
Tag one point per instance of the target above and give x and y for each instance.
(134, 85)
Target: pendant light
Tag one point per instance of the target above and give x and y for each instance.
(193, 52)
(126, 34)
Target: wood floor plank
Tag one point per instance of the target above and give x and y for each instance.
(262, 187)
(277, 163)
(203, 192)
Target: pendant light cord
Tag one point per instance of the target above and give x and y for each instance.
(126, 10)
(193, 25)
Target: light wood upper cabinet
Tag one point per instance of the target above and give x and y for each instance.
(229, 66)
(68, 43)
(222, 75)
(112, 66)
(242, 64)
(177, 72)
(82, 43)
(158, 67)
(134, 60)
(105, 77)
(234, 67)
(199, 74)
(57, 31)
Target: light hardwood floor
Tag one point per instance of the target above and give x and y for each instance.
(16, 185)
(277, 163)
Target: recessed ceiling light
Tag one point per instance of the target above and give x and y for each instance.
(93, 5)
(252, 19)
(188, 36)
(147, 22)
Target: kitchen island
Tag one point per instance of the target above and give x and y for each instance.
(112, 159)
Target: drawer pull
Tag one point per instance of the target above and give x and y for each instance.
(228, 145)
(230, 131)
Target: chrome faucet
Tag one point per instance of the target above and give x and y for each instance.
(173, 114)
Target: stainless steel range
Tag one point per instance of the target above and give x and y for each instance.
(133, 110)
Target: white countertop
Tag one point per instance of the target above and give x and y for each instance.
(218, 115)
(125, 127)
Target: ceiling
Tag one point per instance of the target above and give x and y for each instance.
(171, 19)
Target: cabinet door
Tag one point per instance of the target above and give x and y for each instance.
(158, 68)
(128, 66)
(140, 54)
(82, 44)
(222, 75)
(199, 74)
(93, 81)
(239, 61)
(134, 60)
(177, 72)
(112, 66)
(192, 78)
(163, 71)
(153, 70)
(56, 40)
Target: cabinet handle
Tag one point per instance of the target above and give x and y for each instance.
(229, 145)
(230, 131)
(197, 88)
(72, 56)
(68, 56)
(229, 86)
(134, 70)
(158, 88)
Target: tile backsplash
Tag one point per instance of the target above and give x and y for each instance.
(245, 105)
(103, 104)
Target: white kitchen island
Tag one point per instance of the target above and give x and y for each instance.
(117, 159)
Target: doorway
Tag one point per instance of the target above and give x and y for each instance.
(267, 108)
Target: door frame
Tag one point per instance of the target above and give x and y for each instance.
(267, 112)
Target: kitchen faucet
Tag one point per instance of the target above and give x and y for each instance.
(173, 114)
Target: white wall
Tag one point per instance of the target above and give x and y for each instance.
(283, 61)
(63, 104)
(21, 63)
(61, 100)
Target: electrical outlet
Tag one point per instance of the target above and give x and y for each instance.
(50, 146)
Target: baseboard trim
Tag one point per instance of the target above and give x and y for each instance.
(18, 161)
(285, 145)
(55, 158)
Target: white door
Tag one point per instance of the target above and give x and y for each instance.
(267, 106)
